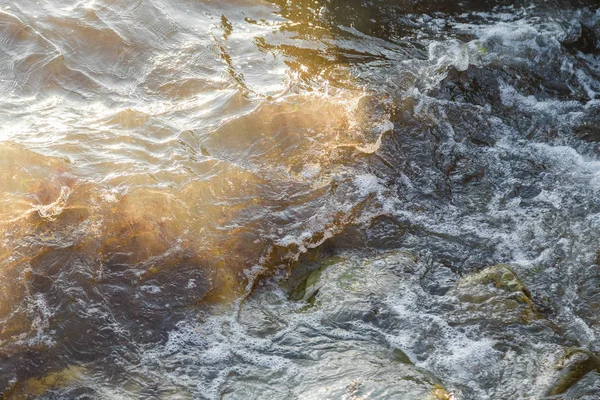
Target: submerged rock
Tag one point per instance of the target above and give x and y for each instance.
(572, 368)
(589, 292)
(360, 375)
(482, 323)
(496, 294)
(336, 297)
(500, 277)
(42, 385)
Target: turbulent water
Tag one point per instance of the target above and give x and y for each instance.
(293, 199)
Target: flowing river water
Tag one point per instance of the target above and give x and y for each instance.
(293, 199)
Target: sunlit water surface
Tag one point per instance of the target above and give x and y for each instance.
(299, 199)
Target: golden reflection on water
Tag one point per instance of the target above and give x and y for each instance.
(282, 153)
(141, 138)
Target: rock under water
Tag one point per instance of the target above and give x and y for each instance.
(299, 199)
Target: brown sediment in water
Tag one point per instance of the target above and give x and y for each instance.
(52, 218)
(140, 254)
(139, 258)
(39, 386)
(112, 249)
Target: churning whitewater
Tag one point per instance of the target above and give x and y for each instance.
(293, 199)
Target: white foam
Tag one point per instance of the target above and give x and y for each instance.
(152, 289)
(511, 98)
(368, 184)
(449, 53)
(311, 170)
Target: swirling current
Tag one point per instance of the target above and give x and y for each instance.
(294, 199)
